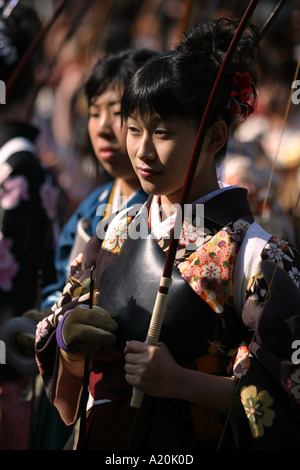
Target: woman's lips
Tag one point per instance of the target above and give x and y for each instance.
(147, 172)
(106, 153)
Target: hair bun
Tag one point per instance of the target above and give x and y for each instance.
(210, 42)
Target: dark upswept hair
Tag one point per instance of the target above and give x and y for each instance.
(114, 70)
(179, 82)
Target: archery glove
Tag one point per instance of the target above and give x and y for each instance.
(86, 331)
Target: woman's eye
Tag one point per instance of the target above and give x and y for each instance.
(162, 132)
(133, 130)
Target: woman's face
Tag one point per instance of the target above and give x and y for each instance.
(107, 136)
(160, 152)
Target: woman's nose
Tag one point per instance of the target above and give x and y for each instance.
(146, 150)
(104, 123)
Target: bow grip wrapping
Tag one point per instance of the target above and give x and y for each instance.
(154, 330)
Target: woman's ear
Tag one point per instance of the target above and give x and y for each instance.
(216, 137)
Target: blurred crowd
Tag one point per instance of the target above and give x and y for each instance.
(263, 153)
(263, 149)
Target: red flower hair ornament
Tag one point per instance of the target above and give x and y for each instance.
(241, 95)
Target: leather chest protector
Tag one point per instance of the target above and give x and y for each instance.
(128, 289)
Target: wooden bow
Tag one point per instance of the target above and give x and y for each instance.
(166, 279)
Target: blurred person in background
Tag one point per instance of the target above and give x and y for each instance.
(27, 208)
(62, 111)
(243, 171)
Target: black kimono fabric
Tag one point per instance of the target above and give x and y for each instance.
(265, 411)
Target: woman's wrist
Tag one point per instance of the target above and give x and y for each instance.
(207, 390)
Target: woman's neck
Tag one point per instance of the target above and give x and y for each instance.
(196, 192)
(128, 186)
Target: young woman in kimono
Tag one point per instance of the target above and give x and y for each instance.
(192, 379)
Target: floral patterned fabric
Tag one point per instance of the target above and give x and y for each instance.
(28, 200)
(209, 271)
(266, 408)
(266, 372)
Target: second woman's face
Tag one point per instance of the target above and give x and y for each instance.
(107, 136)
(160, 152)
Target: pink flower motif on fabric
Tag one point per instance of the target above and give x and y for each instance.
(8, 265)
(209, 271)
(13, 191)
(41, 330)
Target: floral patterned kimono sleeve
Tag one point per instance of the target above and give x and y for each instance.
(268, 397)
(48, 357)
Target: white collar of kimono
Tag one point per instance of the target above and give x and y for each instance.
(118, 200)
(159, 227)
